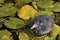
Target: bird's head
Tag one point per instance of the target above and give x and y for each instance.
(42, 25)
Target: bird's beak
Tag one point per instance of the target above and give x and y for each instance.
(34, 26)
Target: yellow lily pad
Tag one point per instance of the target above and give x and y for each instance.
(23, 36)
(26, 12)
(55, 31)
(6, 37)
(49, 38)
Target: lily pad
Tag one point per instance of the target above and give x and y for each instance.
(48, 38)
(14, 23)
(56, 7)
(5, 35)
(55, 31)
(1, 1)
(27, 12)
(45, 3)
(7, 10)
(39, 37)
(26, 1)
(44, 12)
(23, 36)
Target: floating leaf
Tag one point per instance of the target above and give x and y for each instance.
(7, 10)
(1, 1)
(55, 31)
(23, 36)
(39, 38)
(2, 39)
(18, 3)
(26, 1)
(48, 38)
(14, 23)
(44, 12)
(23, 1)
(49, 9)
(26, 12)
(4, 32)
(45, 3)
(56, 7)
(5, 35)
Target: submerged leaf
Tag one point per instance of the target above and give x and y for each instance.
(26, 12)
(58, 38)
(14, 23)
(29, 33)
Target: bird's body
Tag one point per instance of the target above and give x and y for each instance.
(42, 24)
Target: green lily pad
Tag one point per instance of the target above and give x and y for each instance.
(1, 1)
(23, 1)
(39, 37)
(45, 3)
(56, 7)
(4, 32)
(49, 9)
(14, 23)
(26, 1)
(5, 35)
(7, 10)
(2, 39)
(44, 12)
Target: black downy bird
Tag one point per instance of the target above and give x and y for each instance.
(42, 24)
